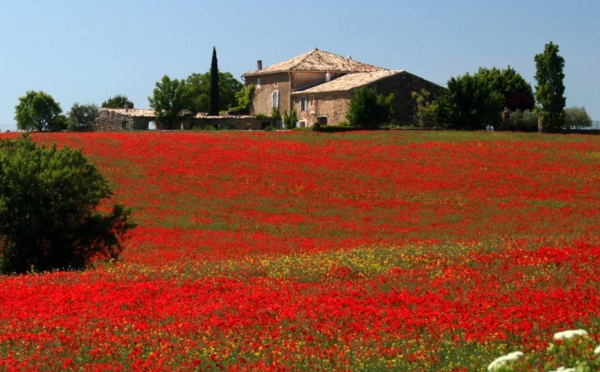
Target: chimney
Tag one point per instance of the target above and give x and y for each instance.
(259, 64)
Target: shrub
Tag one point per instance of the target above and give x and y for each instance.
(522, 121)
(368, 109)
(289, 120)
(48, 220)
(577, 118)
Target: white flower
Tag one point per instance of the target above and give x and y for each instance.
(597, 350)
(504, 360)
(563, 369)
(564, 335)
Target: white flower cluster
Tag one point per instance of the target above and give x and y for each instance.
(565, 335)
(563, 369)
(504, 360)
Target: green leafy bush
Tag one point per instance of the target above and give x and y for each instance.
(48, 217)
(368, 109)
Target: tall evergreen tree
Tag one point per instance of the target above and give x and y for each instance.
(550, 89)
(213, 103)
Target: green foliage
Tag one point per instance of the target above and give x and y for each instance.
(524, 121)
(59, 123)
(198, 86)
(469, 103)
(48, 220)
(368, 109)
(550, 89)
(81, 117)
(117, 102)
(36, 111)
(243, 98)
(577, 118)
(214, 91)
(425, 115)
(517, 92)
(477, 101)
(276, 118)
(289, 120)
(171, 102)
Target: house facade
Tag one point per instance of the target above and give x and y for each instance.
(319, 86)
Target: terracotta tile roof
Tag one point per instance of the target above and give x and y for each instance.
(349, 82)
(317, 60)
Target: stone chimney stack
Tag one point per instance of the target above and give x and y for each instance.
(259, 64)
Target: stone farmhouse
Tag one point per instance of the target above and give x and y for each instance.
(320, 85)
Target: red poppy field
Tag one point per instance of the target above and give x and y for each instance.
(409, 251)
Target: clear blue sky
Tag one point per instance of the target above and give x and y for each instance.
(86, 51)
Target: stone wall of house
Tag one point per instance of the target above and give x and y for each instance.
(261, 99)
(402, 85)
(333, 106)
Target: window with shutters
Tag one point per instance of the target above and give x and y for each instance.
(275, 99)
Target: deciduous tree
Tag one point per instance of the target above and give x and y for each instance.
(171, 102)
(426, 108)
(117, 102)
(516, 91)
(369, 109)
(82, 116)
(198, 86)
(36, 111)
(469, 103)
(577, 118)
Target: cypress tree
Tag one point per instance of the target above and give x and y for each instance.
(213, 103)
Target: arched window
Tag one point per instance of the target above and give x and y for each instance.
(275, 99)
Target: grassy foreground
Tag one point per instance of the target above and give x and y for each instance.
(411, 251)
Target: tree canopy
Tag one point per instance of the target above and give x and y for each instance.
(550, 89)
(516, 91)
(48, 217)
(577, 118)
(469, 103)
(369, 109)
(171, 102)
(477, 101)
(117, 102)
(82, 116)
(198, 86)
(36, 111)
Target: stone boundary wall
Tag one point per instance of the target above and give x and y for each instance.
(111, 120)
(240, 122)
(116, 120)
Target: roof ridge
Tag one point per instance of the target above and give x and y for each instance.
(308, 55)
